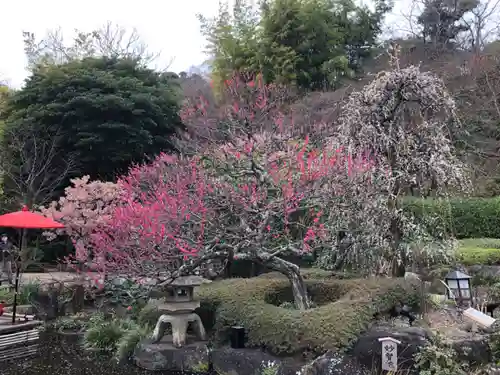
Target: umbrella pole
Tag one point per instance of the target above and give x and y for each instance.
(16, 285)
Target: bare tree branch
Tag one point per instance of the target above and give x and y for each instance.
(412, 29)
(109, 40)
(481, 23)
(33, 165)
(485, 22)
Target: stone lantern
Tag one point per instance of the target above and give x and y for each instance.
(177, 308)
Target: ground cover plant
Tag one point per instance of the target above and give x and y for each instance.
(108, 333)
(25, 294)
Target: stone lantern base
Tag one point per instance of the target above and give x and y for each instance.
(179, 323)
(164, 356)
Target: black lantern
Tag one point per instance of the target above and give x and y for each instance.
(459, 286)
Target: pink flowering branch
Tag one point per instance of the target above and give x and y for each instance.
(85, 207)
(160, 224)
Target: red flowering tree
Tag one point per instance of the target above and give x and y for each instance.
(255, 198)
(273, 193)
(160, 223)
(258, 196)
(246, 105)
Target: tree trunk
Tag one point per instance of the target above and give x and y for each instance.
(292, 272)
(399, 260)
(398, 268)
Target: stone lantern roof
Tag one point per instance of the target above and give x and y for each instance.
(187, 281)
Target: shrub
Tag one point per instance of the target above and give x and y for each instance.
(24, 296)
(439, 358)
(494, 345)
(307, 273)
(103, 337)
(128, 341)
(6, 295)
(115, 336)
(465, 218)
(148, 316)
(27, 291)
(348, 308)
(70, 323)
(104, 334)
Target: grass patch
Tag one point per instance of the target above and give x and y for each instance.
(479, 251)
(347, 311)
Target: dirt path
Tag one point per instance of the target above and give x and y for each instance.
(50, 277)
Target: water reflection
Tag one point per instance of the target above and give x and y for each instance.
(62, 355)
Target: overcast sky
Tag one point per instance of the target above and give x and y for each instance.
(167, 26)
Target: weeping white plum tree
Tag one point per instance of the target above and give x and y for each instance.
(405, 119)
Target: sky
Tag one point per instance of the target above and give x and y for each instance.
(169, 27)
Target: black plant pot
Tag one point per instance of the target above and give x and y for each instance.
(237, 337)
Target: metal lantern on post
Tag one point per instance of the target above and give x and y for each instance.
(459, 286)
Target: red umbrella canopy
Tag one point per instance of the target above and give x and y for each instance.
(28, 220)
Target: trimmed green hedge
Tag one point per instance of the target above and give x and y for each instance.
(464, 217)
(479, 251)
(346, 309)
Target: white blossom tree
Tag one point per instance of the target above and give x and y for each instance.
(406, 120)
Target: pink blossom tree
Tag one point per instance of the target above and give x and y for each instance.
(275, 193)
(85, 206)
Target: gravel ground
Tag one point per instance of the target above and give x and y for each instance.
(60, 356)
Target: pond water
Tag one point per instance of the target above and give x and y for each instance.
(59, 355)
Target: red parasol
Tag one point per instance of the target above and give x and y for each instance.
(28, 220)
(25, 219)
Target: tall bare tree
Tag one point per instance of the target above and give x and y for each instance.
(471, 24)
(39, 166)
(108, 40)
(483, 24)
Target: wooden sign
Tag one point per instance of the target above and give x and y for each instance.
(389, 353)
(479, 318)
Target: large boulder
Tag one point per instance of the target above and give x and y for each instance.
(470, 346)
(368, 350)
(333, 363)
(473, 350)
(164, 356)
(249, 362)
(194, 357)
